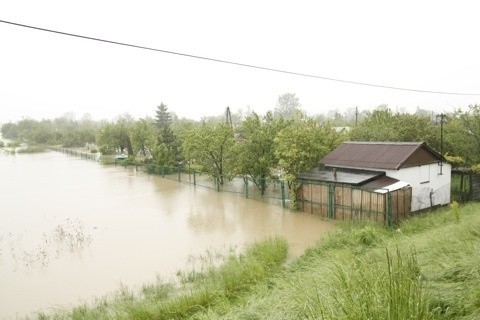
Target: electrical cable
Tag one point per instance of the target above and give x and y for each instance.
(245, 65)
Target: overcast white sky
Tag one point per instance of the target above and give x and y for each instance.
(426, 45)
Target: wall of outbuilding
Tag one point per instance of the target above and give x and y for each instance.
(430, 183)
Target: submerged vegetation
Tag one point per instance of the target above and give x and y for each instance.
(70, 236)
(425, 269)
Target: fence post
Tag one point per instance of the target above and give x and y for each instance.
(245, 179)
(194, 179)
(282, 187)
(331, 202)
(218, 183)
(389, 209)
(179, 174)
(163, 171)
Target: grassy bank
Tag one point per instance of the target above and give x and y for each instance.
(428, 268)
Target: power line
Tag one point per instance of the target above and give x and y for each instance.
(238, 63)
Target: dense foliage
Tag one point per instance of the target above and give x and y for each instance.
(281, 144)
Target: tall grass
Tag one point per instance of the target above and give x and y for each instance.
(428, 268)
(371, 289)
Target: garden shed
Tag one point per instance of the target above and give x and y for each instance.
(382, 181)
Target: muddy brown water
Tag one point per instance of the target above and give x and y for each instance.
(72, 230)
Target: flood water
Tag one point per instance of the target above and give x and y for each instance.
(72, 230)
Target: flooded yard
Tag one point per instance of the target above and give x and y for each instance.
(72, 230)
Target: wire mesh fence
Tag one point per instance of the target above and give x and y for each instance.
(273, 191)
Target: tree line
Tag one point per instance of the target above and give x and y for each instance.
(280, 144)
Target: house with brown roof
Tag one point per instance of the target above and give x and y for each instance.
(385, 168)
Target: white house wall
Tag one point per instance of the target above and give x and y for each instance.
(430, 184)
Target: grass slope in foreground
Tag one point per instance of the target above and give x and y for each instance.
(428, 268)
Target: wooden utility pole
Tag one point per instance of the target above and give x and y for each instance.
(441, 116)
(356, 116)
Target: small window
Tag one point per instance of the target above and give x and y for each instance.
(440, 168)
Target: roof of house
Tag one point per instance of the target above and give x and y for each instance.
(375, 181)
(385, 184)
(352, 177)
(381, 155)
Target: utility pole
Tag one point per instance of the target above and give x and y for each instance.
(441, 116)
(356, 116)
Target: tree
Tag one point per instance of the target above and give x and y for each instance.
(288, 105)
(10, 131)
(115, 137)
(163, 121)
(383, 125)
(256, 156)
(211, 147)
(74, 133)
(143, 137)
(462, 134)
(298, 148)
(168, 148)
(163, 118)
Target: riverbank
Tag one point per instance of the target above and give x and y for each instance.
(425, 269)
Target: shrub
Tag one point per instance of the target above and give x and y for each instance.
(455, 210)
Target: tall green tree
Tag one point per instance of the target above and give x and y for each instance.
(115, 137)
(462, 134)
(211, 147)
(167, 151)
(143, 137)
(298, 148)
(256, 154)
(163, 121)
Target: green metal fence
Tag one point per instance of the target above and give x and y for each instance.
(276, 190)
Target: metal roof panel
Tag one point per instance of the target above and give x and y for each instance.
(381, 155)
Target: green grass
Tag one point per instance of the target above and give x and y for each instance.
(427, 268)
